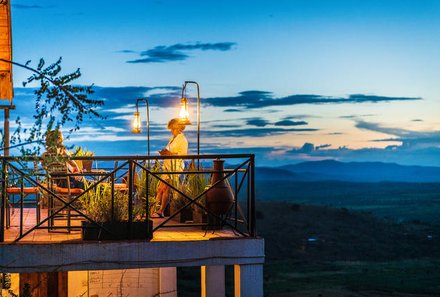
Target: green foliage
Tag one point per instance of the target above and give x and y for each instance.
(97, 203)
(82, 152)
(353, 278)
(141, 189)
(192, 185)
(58, 102)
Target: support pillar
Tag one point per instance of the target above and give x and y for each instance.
(248, 280)
(168, 282)
(213, 281)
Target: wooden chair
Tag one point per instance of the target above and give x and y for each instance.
(59, 182)
(18, 187)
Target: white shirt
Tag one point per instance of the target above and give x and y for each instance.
(177, 146)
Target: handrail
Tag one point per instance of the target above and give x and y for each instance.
(240, 174)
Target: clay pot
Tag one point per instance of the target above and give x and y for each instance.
(220, 198)
(87, 165)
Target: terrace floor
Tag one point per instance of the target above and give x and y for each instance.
(43, 236)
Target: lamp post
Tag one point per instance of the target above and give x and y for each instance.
(184, 114)
(137, 121)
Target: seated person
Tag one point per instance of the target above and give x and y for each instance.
(55, 147)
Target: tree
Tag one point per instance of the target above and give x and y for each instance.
(58, 102)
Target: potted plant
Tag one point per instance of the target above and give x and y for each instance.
(177, 201)
(112, 221)
(194, 185)
(85, 165)
(141, 190)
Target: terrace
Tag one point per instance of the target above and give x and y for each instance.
(49, 223)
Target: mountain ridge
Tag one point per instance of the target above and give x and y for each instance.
(327, 170)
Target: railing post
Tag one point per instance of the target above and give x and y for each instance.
(253, 229)
(2, 211)
(131, 172)
(147, 189)
(21, 204)
(113, 195)
(236, 199)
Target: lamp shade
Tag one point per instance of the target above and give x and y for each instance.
(136, 123)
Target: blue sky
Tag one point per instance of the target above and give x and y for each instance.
(353, 80)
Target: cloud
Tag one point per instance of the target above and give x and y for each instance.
(255, 132)
(178, 52)
(308, 148)
(258, 122)
(300, 116)
(408, 138)
(126, 51)
(167, 96)
(356, 116)
(323, 146)
(290, 123)
(23, 6)
(260, 99)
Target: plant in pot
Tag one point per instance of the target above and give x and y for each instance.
(111, 216)
(176, 201)
(193, 186)
(141, 191)
(85, 165)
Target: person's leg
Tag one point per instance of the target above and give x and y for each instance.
(164, 199)
(159, 197)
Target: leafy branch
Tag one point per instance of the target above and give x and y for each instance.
(58, 102)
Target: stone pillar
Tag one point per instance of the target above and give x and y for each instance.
(248, 280)
(213, 281)
(168, 282)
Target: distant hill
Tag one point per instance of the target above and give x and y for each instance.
(352, 172)
(319, 233)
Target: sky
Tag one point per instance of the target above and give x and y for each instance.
(290, 81)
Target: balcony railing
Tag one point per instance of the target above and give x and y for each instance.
(123, 188)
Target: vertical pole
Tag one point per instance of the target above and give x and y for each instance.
(248, 280)
(148, 129)
(198, 116)
(167, 282)
(236, 198)
(198, 124)
(248, 200)
(113, 195)
(21, 204)
(253, 216)
(6, 131)
(147, 189)
(2, 210)
(130, 192)
(213, 281)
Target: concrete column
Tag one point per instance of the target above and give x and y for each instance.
(248, 280)
(213, 281)
(168, 282)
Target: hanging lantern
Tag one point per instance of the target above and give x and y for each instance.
(136, 123)
(184, 113)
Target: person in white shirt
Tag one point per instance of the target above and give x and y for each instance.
(177, 146)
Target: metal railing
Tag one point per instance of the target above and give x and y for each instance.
(126, 187)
